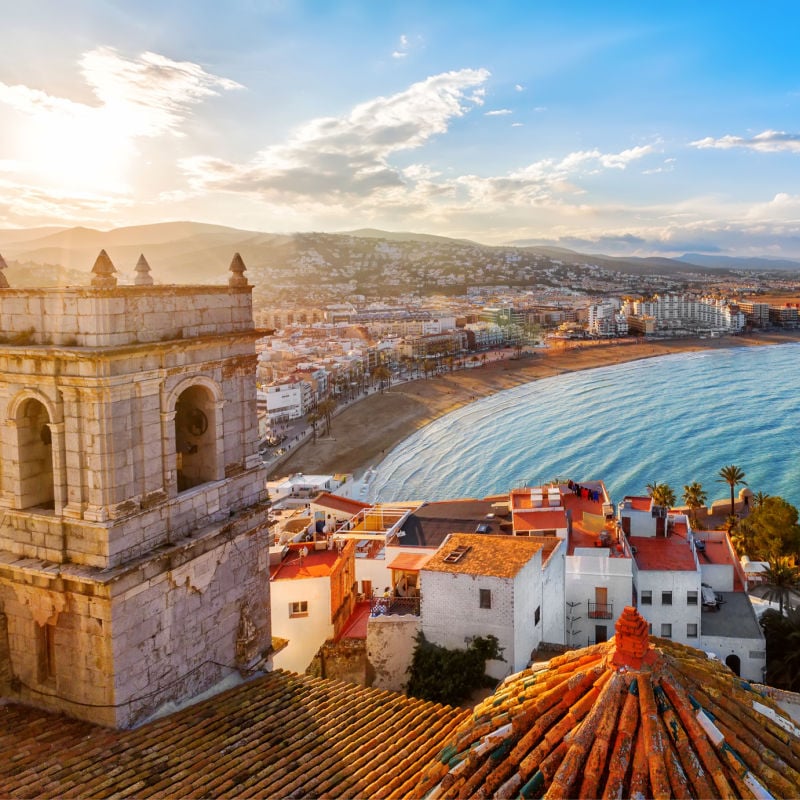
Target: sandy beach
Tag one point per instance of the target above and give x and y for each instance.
(363, 433)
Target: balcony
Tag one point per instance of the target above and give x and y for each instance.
(380, 606)
(601, 610)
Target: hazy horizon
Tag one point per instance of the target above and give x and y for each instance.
(621, 130)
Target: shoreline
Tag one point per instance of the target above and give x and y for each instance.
(366, 431)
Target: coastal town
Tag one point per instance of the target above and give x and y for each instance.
(154, 582)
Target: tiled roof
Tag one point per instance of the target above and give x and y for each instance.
(636, 716)
(540, 520)
(662, 553)
(282, 735)
(499, 556)
(339, 503)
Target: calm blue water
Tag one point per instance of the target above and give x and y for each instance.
(673, 419)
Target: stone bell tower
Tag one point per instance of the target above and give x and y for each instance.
(133, 521)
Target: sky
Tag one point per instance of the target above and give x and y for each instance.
(618, 128)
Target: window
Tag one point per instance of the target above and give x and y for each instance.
(298, 609)
(647, 597)
(485, 598)
(691, 630)
(537, 615)
(666, 598)
(691, 598)
(666, 630)
(650, 628)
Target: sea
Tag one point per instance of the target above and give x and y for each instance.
(671, 419)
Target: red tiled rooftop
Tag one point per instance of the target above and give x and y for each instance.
(339, 503)
(662, 553)
(317, 564)
(636, 716)
(535, 520)
(410, 562)
(281, 735)
(640, 503)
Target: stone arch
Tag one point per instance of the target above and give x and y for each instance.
(196, 405)
(33, 418)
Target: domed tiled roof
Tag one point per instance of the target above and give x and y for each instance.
(637, 716)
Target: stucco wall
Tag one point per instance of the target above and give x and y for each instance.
(390, 647)
(680, 613)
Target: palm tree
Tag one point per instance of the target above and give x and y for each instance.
(663, 495)
(781, 577)
(733, 476)
(326, 409)
(694, 496)
(313, 417)
(383, 374)
(759, 498)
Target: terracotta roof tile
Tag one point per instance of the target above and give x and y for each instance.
(636, 716)
(500, 556)
(278, 735)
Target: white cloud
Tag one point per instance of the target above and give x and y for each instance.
(88, 147)
(498, 112)
(348, 156)
(540, 109)
(765, 142)
(402, 50)
(517, 124)
(519, 87)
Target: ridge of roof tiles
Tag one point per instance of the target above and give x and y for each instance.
(637, 716)
(281, 735)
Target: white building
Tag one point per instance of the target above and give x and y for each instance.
(289, 399)
(311, 602)
(683, 314)
(477, 585)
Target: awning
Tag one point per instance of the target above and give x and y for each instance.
(410, 562)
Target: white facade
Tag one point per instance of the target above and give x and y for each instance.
(681, 313)
(452, 612)
(288, 400)
(305, 626)
(601, 586)
(671, 602)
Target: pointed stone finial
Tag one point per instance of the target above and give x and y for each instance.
(237, 269)
(3, 279)
(631, 641)
(103, 272)
(143, 276)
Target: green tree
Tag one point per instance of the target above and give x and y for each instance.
(782, 634)
(759, 498)
(781, 579)
(383, 375)
(450, 676)
(662, 494)
(733, 476)
(326, 409)
(771, 530)
(695, 497)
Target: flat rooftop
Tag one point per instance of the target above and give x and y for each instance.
(317, 564)
(735, 618)
(431, 523)
(660, 553)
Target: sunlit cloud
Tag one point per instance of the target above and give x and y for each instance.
(765, 142)
(402, 50)
(89, 147)
(498, 112)
(349, 155)
(519, 87)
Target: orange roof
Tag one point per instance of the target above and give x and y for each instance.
(660, 553)
(636, 716)
(544, 520)
(499, 556)
(339, 503)
(640, 503)
(280, 735)
(410, 562)
(317, 564)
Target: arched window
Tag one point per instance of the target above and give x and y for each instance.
(35, 448)
(195, 438)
